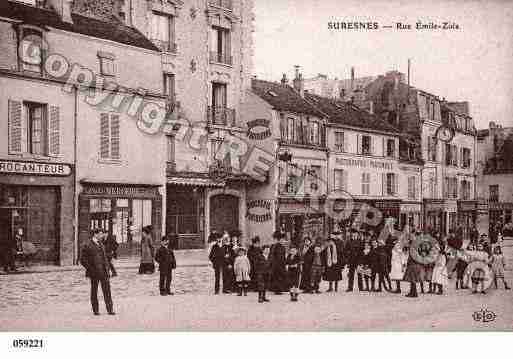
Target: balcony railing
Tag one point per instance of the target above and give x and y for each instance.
(221, 116)
(226, 4)
(221, 58)
(165, 45)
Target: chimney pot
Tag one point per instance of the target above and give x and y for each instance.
(284, 79)
(299, 83)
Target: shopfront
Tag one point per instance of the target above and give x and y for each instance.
(411, 215)
(466, 216)
(36, 206)
(440, 215)
(122, 210)
(297, 220)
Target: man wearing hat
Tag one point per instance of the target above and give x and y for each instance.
(96, 264)
(354, 250)
(278, 270)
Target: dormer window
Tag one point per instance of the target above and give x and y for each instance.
(31, 49)
(107, 65)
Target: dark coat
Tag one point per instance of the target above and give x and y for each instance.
(262, 271)
(354, 249)
(165, 257)
(216, 255)
(293, 267)
(278, 271)
(94, 260)
(307, 268)
(253, 253)
(228, 255)
(111, 247)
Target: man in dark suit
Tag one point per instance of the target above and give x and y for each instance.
(216, 256)
(278, 257)
(95, 261)
(354, 250)
(165, 257)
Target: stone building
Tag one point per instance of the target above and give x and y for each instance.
(74, 155)
(495, 175)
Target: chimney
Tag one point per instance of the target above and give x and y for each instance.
(284, 80)
(298, 83)
(63, 9)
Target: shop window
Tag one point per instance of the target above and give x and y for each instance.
(365, 183)
(141, 217)
(109, 136)
(183, 216)
(494, 193)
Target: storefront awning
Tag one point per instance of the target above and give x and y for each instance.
(205, 182)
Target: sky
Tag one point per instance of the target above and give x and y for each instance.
(473, 63)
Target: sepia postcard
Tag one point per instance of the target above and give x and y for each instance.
(255, 166)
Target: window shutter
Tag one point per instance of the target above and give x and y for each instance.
(114, 136)
(363, 182)
(104, 136)
(384, 153)
(54, 131)
(383, 183)
(15, 127)
(344, 180)
(396, 184)
(358, 144)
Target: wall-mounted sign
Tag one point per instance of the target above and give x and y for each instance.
(364, 163)
(259, 129)
(256, 206)
(120, 191)
(35, 168)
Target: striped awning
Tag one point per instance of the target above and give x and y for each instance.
(204, 182)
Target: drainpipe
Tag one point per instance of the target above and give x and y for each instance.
(75, 177)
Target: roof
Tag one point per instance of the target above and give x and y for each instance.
(342, 113)
(283, 98)
(84, 25)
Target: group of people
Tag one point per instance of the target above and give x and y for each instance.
(376, 262)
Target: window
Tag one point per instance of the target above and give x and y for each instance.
(227, 4)
(314, 177)
(494, 193)
(390, 187)
(451, 187)
(465, 190)
(465, 157)
(219, 95)
(432, 148)
(366, 145)
(412, 187)
(339, 180)
(365, 183)
(107, 65)
(314, 133)
(339, 141)
(169, 85)
(170, 148)
(162, 31)
(390, 148)
(109, 136)
(37, 128)
(451, 155)
(294, 179)
(31, 56)
(432, 186)
(220, 50)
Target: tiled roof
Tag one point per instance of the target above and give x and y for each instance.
(81, 24)
(283, 97)
(342, 113)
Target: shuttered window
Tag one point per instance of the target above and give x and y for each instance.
(412, 187)
(365, 183)
(15, 127)
(109, 136)
(339, 141)
(339, 180)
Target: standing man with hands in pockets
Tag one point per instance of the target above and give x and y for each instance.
(96, 264)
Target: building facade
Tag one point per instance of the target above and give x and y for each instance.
(495, 176)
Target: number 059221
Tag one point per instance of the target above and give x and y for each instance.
(27, 343)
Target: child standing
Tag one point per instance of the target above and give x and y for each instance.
(498, 263)
(478, 276)
(263, 273)
(399, 260)
(364, 267)
(317, 268)
(439, 277)
(166, 260)
(292, 265)
(241, 268)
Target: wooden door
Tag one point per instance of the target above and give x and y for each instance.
(224, 213)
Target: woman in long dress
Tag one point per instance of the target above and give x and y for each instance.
(147, 265)
(333, 259)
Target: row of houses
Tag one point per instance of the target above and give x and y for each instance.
(86, 143)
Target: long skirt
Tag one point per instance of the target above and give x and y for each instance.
(415, 272)
(146, 268)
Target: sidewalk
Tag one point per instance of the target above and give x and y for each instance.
(184, 258)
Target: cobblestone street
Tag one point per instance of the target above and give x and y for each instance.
(60, 301)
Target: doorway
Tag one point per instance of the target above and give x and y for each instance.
(224, 212)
